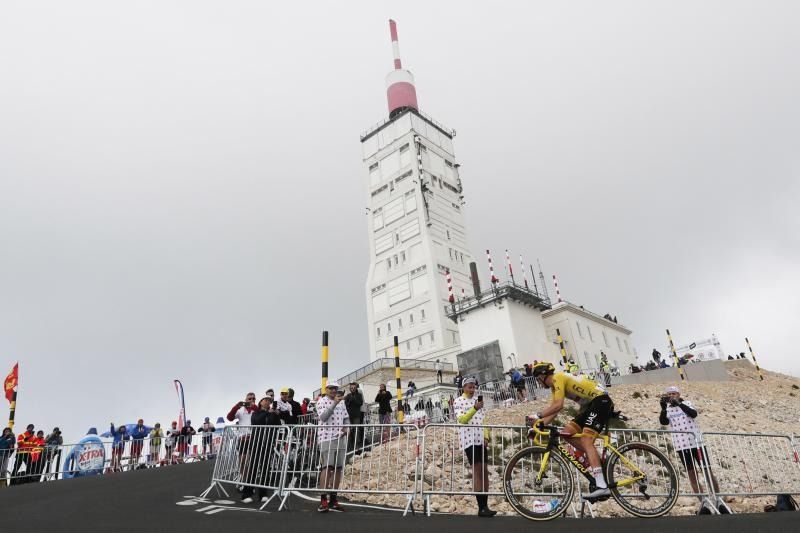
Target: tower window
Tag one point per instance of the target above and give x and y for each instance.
(411, 318)
(388, 327)
(379, 332)
(400, 323)
(422, 314)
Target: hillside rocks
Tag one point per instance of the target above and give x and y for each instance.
(742, 405)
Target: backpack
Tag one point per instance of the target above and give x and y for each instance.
(784, 502)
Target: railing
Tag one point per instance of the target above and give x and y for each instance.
(404, 464)
(94, 456)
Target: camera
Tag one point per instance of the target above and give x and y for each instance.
(480, 397)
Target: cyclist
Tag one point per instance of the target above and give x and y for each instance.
(596, 409)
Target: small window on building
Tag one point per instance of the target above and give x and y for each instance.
(408, 346)
(455, 337)
(404, 148)
(388, 327)
(627, 349)
(605, 340)
(440, 184)
(403, 257)
(450, 250)
(411, 319)
(400, 323)
(395, 260)
(448, 235)
(619, 344)
(589, 331)
(419, 340)
(379, 332)
(388, 264)
(422, 314)
(432, 337)
(580, 330)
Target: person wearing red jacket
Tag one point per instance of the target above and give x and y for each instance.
(25, 441)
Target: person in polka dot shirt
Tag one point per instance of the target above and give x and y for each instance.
(680, 415)
(469, 413)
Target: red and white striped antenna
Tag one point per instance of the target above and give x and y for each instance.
(493, 278)
(450, 297)
(522, 267)
(510, 268)
(400, 91)
(558, 292)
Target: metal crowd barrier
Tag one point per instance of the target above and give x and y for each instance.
(49, 463)
(753, 464)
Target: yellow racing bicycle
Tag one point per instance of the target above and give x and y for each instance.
(539, 480)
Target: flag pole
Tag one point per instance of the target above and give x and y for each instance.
(12, 409)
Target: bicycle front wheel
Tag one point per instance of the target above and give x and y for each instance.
(643, 480)
(533, 497)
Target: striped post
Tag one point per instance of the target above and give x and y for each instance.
(524, 274)
(11, 412)
(510, 268)
(400, 413)
(675, 356)
(760, 375)
(324, 362)
(493, 278)
(558, 292)
(561, 345)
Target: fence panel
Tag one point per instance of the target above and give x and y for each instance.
(752, 464)
(371, 458)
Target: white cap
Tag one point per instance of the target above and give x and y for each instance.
(673, 389)
(332, 384)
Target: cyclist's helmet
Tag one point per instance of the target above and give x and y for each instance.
(543, 368)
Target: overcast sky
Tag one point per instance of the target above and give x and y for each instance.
(182, 194)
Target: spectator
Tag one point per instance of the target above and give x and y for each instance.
(138, 434)
(263, 442)
(353, 402)
(297, 411)
(207, 430)
(270, 394)
(304, 406)
(7, 441)
(518, 382)
(656, 356)
(450, 402)
(730, 358)
(284, 408)
(384, 401)
(573, 368)
(410, 389)
(663, 364)
(439, 367)
(119, 436)
(53, 443)
(37, 457)
(25, 441)
(155, 444)
(332, 440)
(242, 413)
(185, 439)
(445, 407)
(528, 370)
(173, 434)
(680, 416)
(458, 380)
(469, 414)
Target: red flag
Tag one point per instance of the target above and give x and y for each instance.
(10, 384)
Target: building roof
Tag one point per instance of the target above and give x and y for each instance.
(564, 306)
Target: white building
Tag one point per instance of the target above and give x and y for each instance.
(416, 227)
(586, 334)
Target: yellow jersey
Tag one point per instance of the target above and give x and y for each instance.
(580, 389)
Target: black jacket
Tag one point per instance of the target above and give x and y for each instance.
(384, 401)
(353, 402)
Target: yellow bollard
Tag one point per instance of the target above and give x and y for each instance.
(324, 362)
(754, 358)
(675, 356)
(400, 412)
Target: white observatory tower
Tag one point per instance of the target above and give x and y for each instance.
(416, 227)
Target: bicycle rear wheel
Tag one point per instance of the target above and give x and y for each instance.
(653, 496)
(538, 501)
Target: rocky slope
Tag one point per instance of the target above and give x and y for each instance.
(744, 404)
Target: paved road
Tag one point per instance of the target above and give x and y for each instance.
(165, 499)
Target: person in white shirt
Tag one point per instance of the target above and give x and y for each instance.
(469, 413)
(439, 367)
(680, 416)
(332, 440)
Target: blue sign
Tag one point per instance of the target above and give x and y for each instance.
(87, 458)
